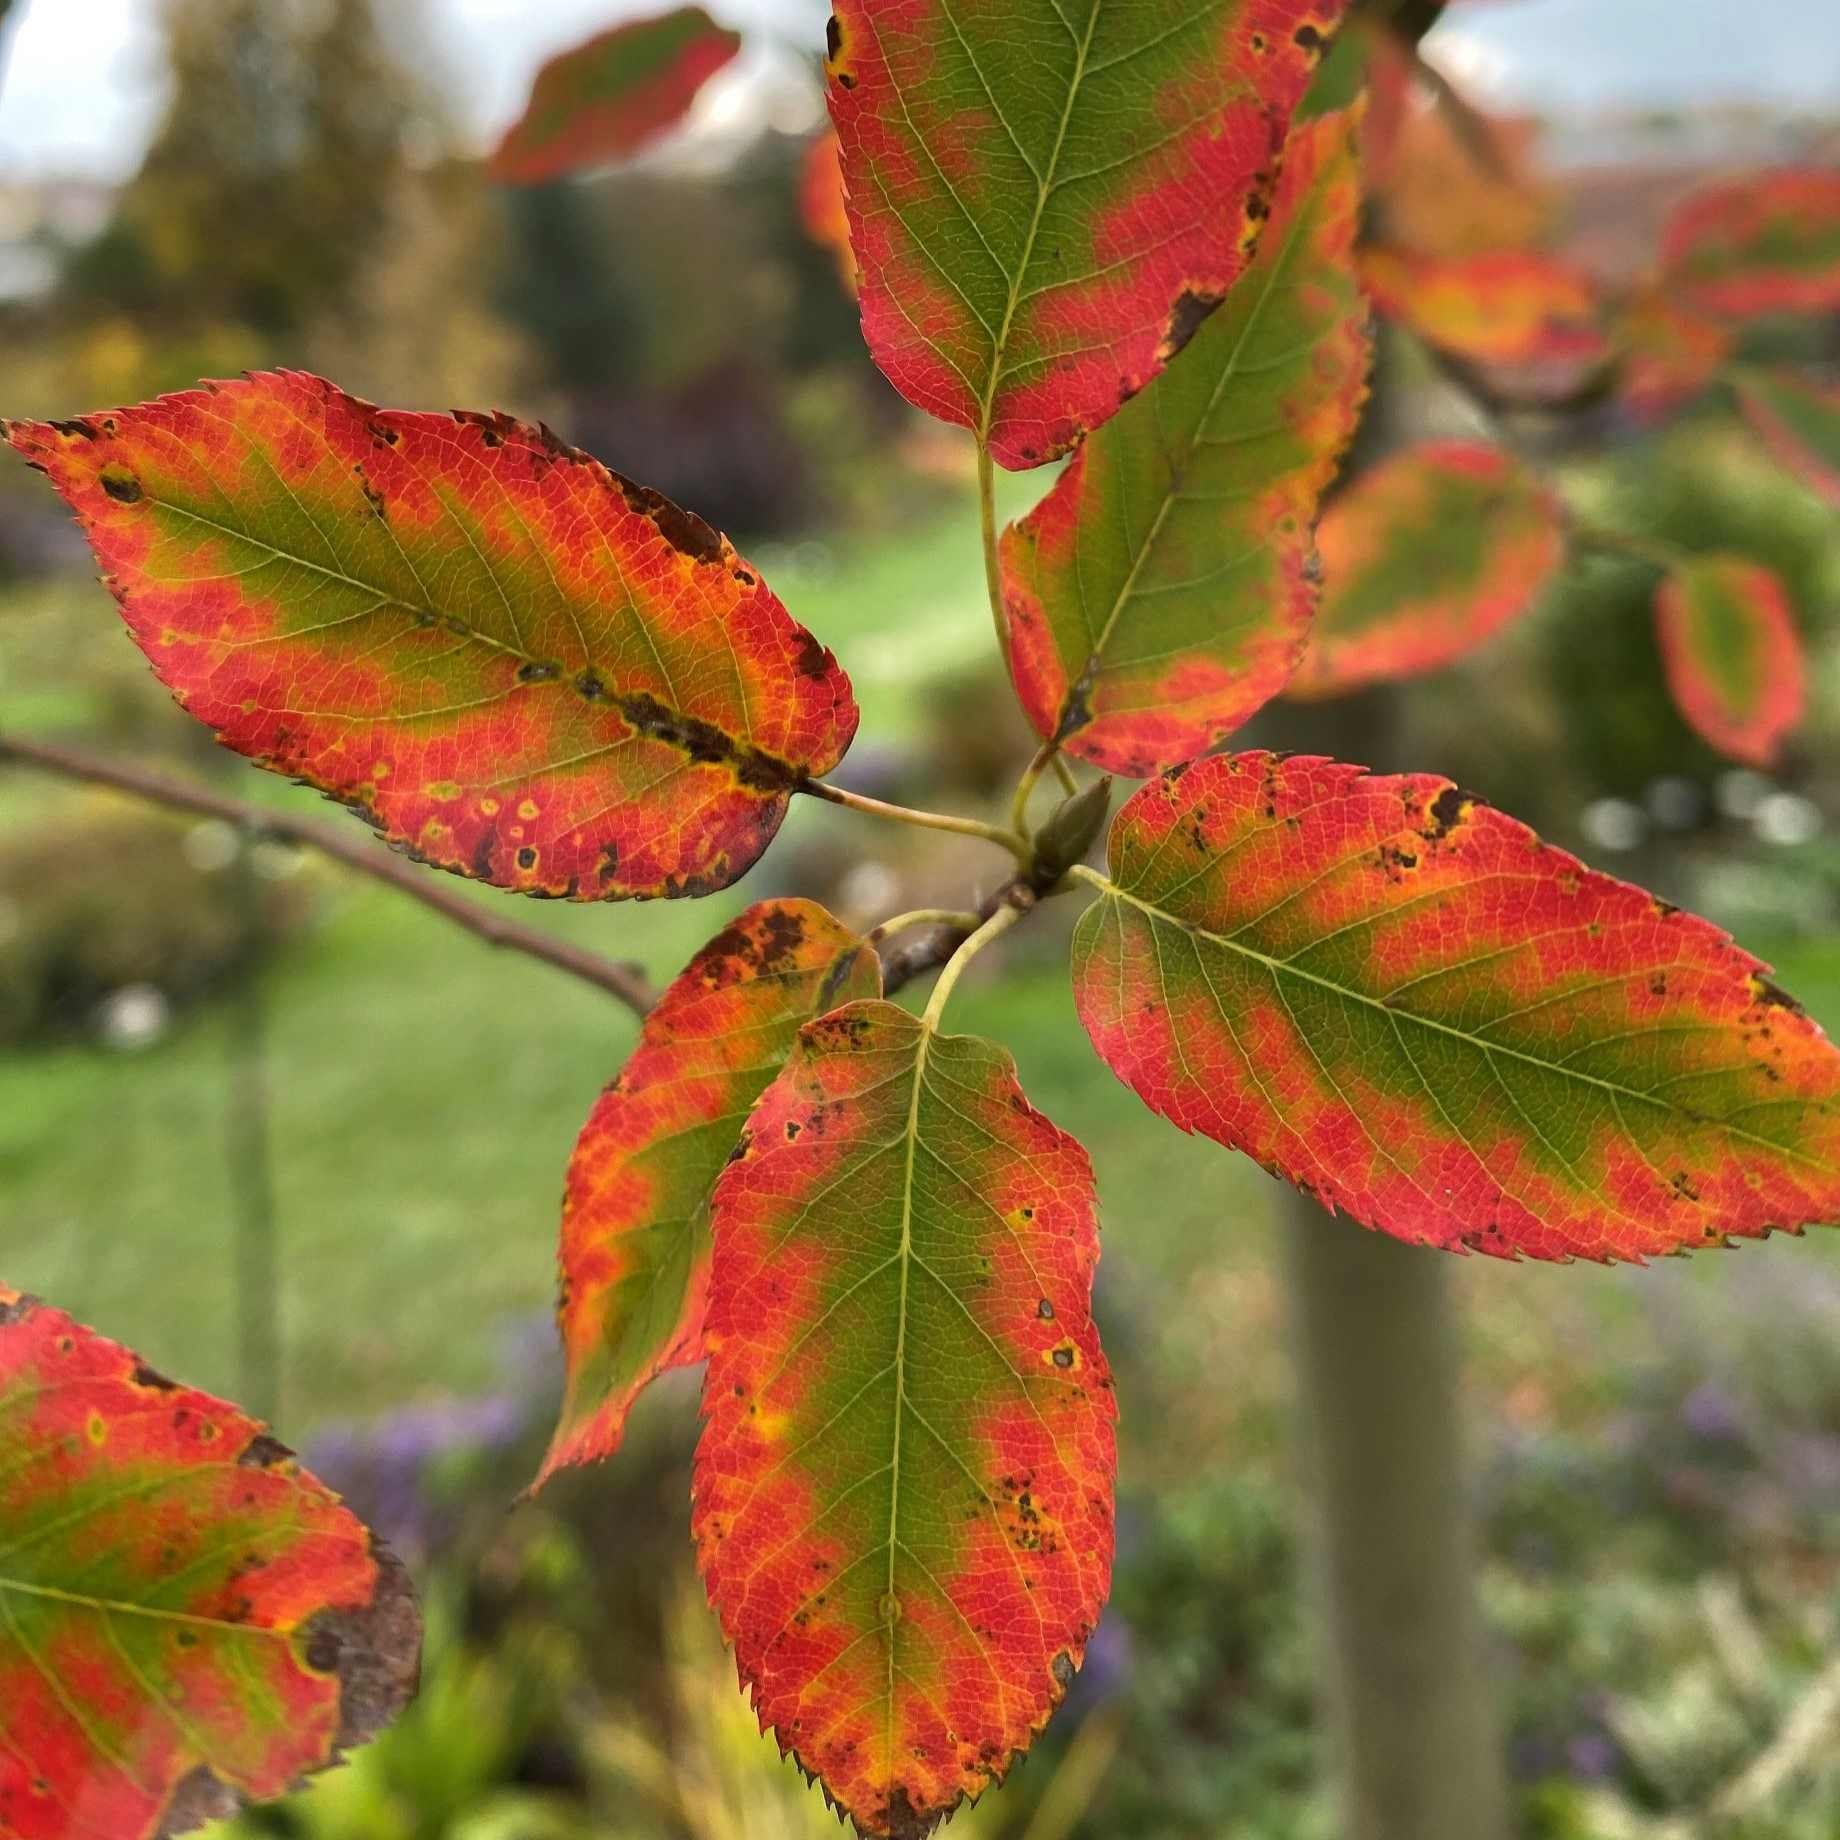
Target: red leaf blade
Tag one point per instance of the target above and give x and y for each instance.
(500, 654)
(1432, 552)
(635, 1211)
(904, 1486)
(1766, 243)
(1163, 590)
(1732, 656)
(1405, 1002)
(187, 1618)
(1044, 206)
(606, 99)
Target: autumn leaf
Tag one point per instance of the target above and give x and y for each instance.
(904, 1486)
(1799, 423)
(511, 662)
(1765, 243)
(1405, 1003)
(821, 206)
(1424, 557)
(1732, 655)
(1508, 307)
(635, 1212)
(1163, 590)
(187, 1618)
(1669, 355)
(1046, 201)
(606, 99)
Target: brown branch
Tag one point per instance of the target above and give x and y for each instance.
(626, 983)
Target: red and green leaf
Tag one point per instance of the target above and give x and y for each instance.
(510, 661)
(1045, 201)
(1767, 243)
(1799, 423)
(608, 98)
(1669, 355)
(904, 1486)
(1508, 306)
(1163, 590)
(1423, 558)
(187, 1618)
(635, 1211)
(1732, 655)
(1405, 1003)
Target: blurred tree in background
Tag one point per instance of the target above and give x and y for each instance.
(289, 119)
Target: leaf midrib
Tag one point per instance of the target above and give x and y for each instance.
(1044, 186)
(1277, 966)
(455, 627)
(1094, 664)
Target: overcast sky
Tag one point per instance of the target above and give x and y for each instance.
(82, 83)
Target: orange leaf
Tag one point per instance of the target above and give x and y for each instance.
(1732, 655)
(187, 1618)
(606, 99)
(904, 1486)
(635, 1212)
(511, 662)
(1426, 556)
(1408, 1005)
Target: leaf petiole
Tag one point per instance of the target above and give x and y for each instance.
(993, 569)
(1025, 787)
(960, 920)
(927, 820)
(999, 923)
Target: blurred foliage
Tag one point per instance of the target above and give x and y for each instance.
(75, 942)
(289, 120)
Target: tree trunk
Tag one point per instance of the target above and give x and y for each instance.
(1379, 1375)
(1379, 1379)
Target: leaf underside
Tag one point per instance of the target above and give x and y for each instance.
(1732, 655)
(1163, 590)
(1045, 201)
(1766, 243)
(1423, 558)
(187, 1618)
(904, 1486)
(1800, 424)
(607, 98)
(1405, 1003)
(511, 662)
(635, 1210)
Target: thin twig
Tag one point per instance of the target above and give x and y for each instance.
(627, 983)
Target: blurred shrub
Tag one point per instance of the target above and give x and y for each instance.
(68, 940)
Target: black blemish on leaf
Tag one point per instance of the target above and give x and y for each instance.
(152, 1380)
(1191, 307)
(705, 744)
(1045, 1310)
(1772, 997)
(1308, 38)
(833, 36)
(263, 1452)
(539, 671)
(1445, 813)
(683, 530)
(527, 858)
(121, 485)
